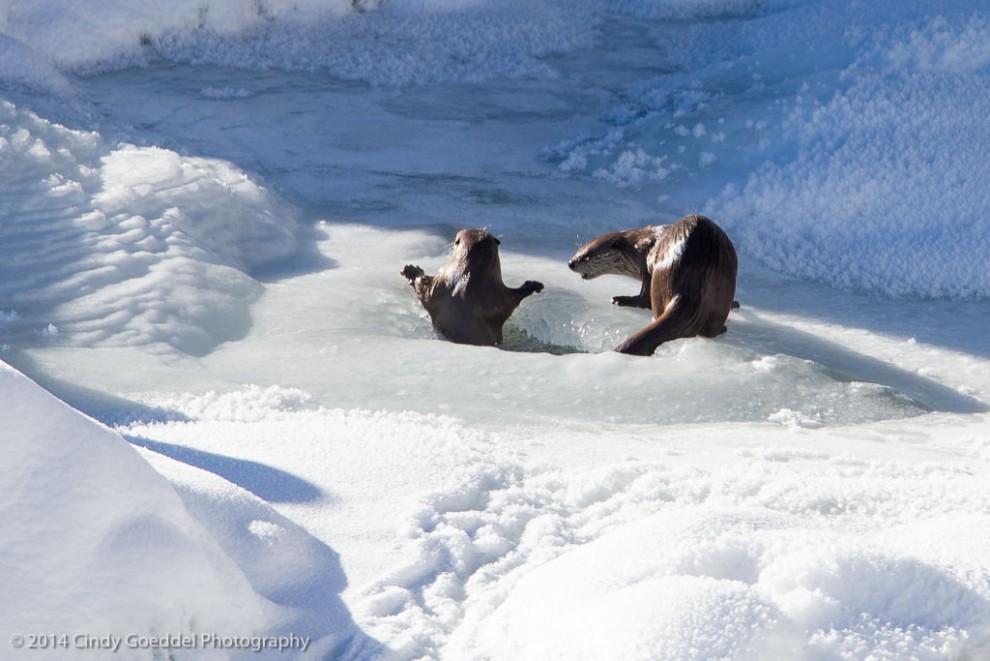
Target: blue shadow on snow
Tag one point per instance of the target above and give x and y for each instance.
(269, 484)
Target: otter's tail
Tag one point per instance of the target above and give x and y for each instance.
(676, 321)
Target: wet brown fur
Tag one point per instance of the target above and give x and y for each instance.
(466, 299)
(688, 275)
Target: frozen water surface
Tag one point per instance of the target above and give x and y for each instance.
(204, 209)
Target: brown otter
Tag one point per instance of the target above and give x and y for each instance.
(467, 300)
(688, 275)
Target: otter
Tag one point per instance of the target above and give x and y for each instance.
(467, 300)
(688, 276)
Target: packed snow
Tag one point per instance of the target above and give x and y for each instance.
(231, 431)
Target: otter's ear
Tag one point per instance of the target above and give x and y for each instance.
(497, 242)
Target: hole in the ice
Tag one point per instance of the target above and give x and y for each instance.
(517, 339)
(563, 323)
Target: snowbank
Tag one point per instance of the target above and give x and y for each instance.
(453, 40)
(783, 552)
(727, 583)
(22, 68)
(128, 245)
(835, 141)
(112, 32)
(881, 192)
(95, 541)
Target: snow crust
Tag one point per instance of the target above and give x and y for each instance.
(204, 207)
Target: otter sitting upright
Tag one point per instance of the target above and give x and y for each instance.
(467, 300)
(688, 276)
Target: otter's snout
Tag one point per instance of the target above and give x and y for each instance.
(580, 264)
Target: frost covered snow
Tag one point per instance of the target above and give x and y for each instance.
(228, 425)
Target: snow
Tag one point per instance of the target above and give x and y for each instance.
(134, 234)
(95, 541)
(204, 209)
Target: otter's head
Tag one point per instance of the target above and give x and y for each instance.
(476, 251)
(618, 253)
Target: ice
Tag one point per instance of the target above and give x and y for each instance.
(204, 209)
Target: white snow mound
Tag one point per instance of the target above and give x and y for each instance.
(129, 245)
(94, 540)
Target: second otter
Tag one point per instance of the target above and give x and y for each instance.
(688, 276)
(467, 300)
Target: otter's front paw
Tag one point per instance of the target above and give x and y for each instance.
(532, 287)
(411, 272)
(626, 301)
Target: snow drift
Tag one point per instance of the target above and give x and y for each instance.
(95, 540)
(128, 245)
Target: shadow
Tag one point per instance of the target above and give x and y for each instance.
(904, 594)
(307, 259)
(281, 560)
(287, 565)
(269, 484)
(111, 410)
(956, 325)
(750, 331)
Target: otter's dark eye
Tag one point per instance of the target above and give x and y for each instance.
(497, 242)
(457, 241)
